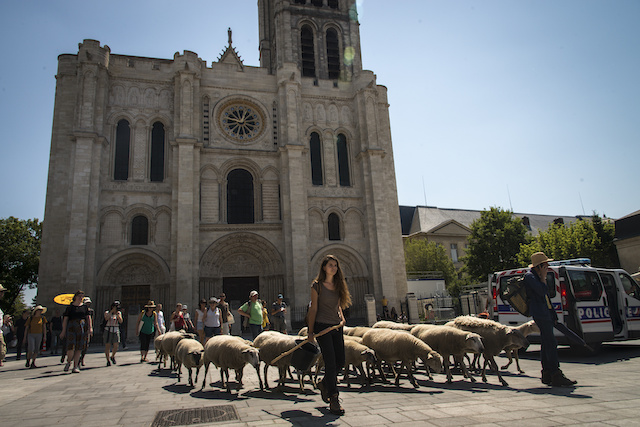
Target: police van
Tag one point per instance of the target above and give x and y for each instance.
(598, 304)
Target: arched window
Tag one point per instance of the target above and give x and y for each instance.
(308, 54)
(140, 230)
(121, 163)
(333, 54)
(315, 149)
(334, 227)
(343, 161)
(240, 197)
(157, 152)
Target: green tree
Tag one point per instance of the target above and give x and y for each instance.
(422, 255)
(19, 259)
(587, 238)
(494, 243)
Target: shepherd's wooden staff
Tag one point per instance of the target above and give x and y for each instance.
(288, 352)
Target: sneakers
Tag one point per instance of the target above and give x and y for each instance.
(559, 380)
(66, 366)
(323, 392)
(334, 405)
(75, 370)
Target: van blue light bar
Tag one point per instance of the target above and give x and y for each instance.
(575, 261)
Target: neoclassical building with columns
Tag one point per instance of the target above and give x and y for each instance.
(175, 180)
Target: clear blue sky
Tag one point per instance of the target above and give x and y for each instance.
(536, 99)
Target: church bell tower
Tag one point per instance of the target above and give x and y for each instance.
(320, 36)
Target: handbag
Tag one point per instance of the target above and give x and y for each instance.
(230, 319)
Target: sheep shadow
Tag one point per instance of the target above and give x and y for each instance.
(299, 417)
(163, 373)
(286, 393)
(178, 388)
(555, 391)
(214, 394)
(390, 387)
(608, 353)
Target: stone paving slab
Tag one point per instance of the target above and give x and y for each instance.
(131, 393)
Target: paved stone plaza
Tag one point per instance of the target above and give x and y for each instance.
(131, 394)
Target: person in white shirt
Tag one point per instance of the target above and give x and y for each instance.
(161, 324)
(211, 319)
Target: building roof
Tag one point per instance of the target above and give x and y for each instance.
(628, 226)
(428, 218)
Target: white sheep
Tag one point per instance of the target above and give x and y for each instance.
(449, 341)
(356, 354)
(356, 331)
(511, 352)
(393, 346)
(160, 355)
(495, 337)
(272, 344)
(169, 342)
(230, 352)
(189, 352)
(387, 324)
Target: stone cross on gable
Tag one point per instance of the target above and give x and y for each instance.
(229, 32)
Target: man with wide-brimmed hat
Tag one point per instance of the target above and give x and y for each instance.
(545, 317)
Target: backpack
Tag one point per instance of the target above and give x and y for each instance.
(515, 293)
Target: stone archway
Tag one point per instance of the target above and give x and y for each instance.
(132, 276)
(240, 255)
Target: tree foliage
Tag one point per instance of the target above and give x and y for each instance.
(422, 255)
(19, 259)
(494, 243)
(588, 238)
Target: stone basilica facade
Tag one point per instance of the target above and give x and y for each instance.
(174, 180)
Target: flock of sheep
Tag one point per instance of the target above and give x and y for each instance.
(396, 345)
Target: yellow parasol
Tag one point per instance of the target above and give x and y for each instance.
(63, 299)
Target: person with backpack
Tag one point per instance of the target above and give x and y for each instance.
(252, 310)
(112, 319)
(545, 317)
(35, 335)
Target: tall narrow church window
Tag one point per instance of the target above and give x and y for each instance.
(205, 120)
(140, 230)
(121, 163)
(333, 224)
(157, 152)
(315, 149)
(240, 197)
(308, 55)
(333, 54)
(333, 4)
(343, 161)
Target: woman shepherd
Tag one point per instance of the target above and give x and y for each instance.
(329, 296)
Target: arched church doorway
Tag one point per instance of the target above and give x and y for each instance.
(237, 289)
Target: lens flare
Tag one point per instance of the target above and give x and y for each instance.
(349, 54)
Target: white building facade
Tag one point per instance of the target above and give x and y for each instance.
(173, 180)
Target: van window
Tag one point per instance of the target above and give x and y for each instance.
(586, 285)
(630, 286)
(551, 284)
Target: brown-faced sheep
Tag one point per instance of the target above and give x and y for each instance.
(169, 342)
(189, 353)
(272, 344)
(393, 346)
(449, 341)
(511, 352)
(355, 355)
(230, 352)
(495, 337)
